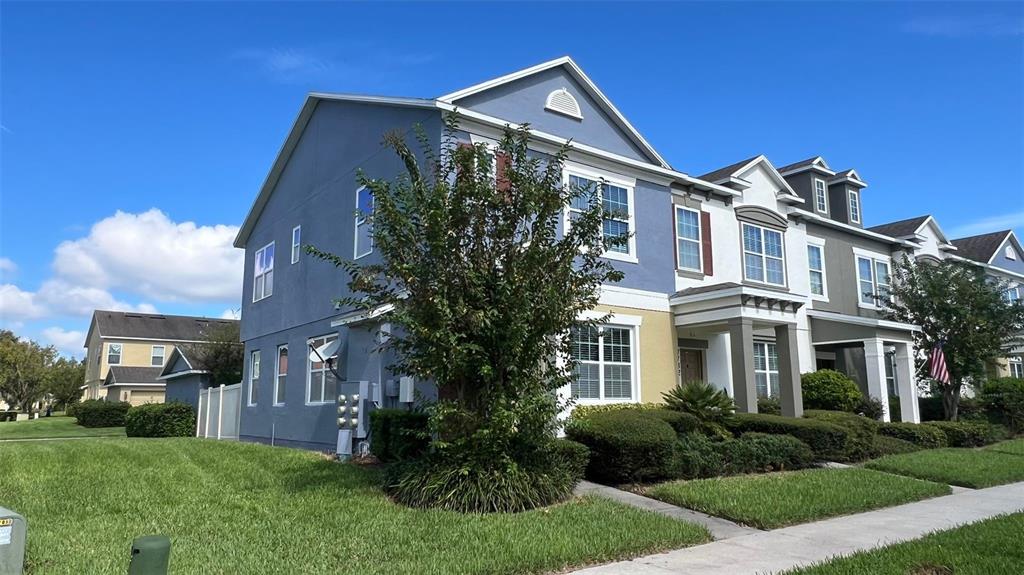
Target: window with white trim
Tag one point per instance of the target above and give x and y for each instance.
(114, 354)
(763, 255)
(854, 207)
(321, 385)
(280, 374)
(364, 228)
(1016, 365)
(766, 369)
(873, 281)
(816, 268)
(254, 377)
(605, 364)
(1012, 294)
(156, 356)
(296, 243)
(820, 195)
(688, 246)
(1010, 253)
(263, 273)
(616, 201)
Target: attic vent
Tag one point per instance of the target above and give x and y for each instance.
(562, 102)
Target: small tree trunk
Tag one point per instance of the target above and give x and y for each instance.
(951, 401)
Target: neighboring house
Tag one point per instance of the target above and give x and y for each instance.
(126, 353)
(184, 378)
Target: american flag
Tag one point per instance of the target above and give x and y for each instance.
(937, 365)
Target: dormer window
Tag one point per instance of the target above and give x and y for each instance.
(562, 102)
(1011, 254)
(820, 196)
(854, 207)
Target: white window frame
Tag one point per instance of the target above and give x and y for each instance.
(110, 352)
(633, 323)
(254, 376)
(699, 241)
(875, 259)
(600, 178)
(266, 272)
(278, 374)
(1012, 293)
(763, 255)
(819, 244)
(153, 355)
(821, 203)
(296, 243)
(767, 371)
(361, 220)
(1015, 366)
(853, 201)
(324, 369)
(1010, 253)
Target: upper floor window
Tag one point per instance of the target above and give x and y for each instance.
(854, 207)
(364, 229)
(605, 360)
(820, 195)
(762, 255)
(617, 202)
(816, 269)
(281, 374)
(873, 280)
(263, 273)
(254, 377)
(156, 356)
(1012, 294)
(296, 243)
(321, 385)
(688, 240)
(114, 354)
(1010, 253)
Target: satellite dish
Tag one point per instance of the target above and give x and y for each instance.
(326, 351)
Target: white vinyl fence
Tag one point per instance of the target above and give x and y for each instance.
(219, 412)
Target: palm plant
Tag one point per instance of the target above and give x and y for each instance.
(712, 406)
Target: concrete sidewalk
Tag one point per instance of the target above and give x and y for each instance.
(800, 545)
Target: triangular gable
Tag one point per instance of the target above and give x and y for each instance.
(932, 223)
(999, 258)
(526, 97)
(786, 193)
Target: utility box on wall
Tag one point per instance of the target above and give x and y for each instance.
(13, 531)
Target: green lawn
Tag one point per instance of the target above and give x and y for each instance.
(990, 547)
(1014, 446)
(965, 467)
(244, 508)
(55, 426)
(778, 499)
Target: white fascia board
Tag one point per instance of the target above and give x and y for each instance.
(616, 296)
(995, 270)
(996, 252)
(858, 320)
(787, 193)
(360, 316)
(178, 374)
(797, 212)
(809, 167)
(134, 385)
(738, 290)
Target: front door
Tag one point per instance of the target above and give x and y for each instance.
(692, 362)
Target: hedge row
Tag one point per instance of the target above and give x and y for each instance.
(936, 434)
(100, 413)
(174, 419)
(398, 434)
(827, 440)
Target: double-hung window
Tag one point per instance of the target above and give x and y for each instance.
(254, 377)
(320, 383)
(820, 196)
(1012, 294)
(263, 273)
(766, 369)
(854, 207)
(688, 246)
(816, 269)
(364, 228)
(616, 199)
(156, 357)
(873, 280)
(114, 354)
(763, 255)
(605, 362)
(280, 374)
(296, 243)
(1016, 367)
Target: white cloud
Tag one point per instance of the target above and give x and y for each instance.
(964, 26)
(1012, 220)
(7, 265)
(57, 297)
(68, 342)
(231, 314)
(16, 304)
(150, 255)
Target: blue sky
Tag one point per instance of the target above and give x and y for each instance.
(171, 113)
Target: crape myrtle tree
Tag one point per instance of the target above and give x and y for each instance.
(957, 304)
(484, 289)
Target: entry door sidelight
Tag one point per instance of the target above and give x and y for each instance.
(692, 361)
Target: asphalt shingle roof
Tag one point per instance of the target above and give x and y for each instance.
(129, 374)
(900, 228)
(980, 248)
(155, 326)
(799, 164)
(726, 171)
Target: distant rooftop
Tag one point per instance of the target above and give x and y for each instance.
(155, 326)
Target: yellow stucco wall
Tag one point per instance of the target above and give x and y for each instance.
(134, 353)
(657, 336)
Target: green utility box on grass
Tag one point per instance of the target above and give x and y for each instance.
(13, 530)
(151, 555)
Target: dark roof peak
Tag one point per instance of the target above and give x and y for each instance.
(981, 247)
(727, 171)
(900, 228)
(155, 326)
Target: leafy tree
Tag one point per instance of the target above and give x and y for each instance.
(955, 303)
(24, 366)
(64, 380)
(485, 290)
(221, 353)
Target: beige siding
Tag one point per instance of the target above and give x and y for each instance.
(657, 353)
(134, 353)
(138, 395)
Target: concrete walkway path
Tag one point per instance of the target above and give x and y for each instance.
(783, 549)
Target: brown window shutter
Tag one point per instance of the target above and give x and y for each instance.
(501, 164)
(705, 244)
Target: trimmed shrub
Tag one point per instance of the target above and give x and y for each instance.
(769, 405)
(968, 433)
(680, 422)
(625, 445)
(916, 433)
(829, 389)
(826, 440)
(871, 408)
(932, 410)
(860, 445)
(1003, 401)
(584, 411)
(886, 445)
(700, 456)
(174, 419)
(100, 413)
(397, 434)
(573, 456)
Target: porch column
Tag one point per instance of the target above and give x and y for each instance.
(791, 396)
(874, 364)
(741, 344)
(907, 383)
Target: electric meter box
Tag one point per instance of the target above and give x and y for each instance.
(13, 530)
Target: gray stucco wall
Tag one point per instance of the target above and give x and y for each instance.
(841, 269)
(186, 389)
